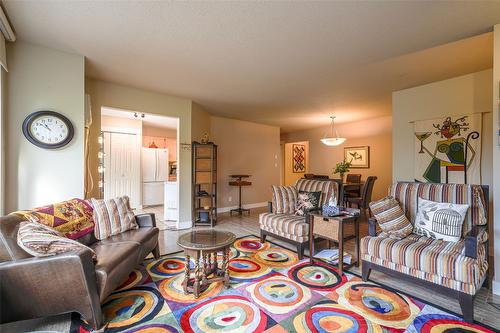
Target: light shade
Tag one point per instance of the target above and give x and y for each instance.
(333, 141)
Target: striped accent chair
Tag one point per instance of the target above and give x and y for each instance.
(282, 223)
(456, 269)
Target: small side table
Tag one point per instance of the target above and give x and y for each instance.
(238, 181)
(203, 245)
(333, 229)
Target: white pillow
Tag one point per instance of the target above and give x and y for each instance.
(440, 220)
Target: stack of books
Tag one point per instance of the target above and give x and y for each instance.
(331, 256)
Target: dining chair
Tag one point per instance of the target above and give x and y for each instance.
(352, 191)
(366, 196)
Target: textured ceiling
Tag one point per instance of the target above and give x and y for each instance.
(289, 64)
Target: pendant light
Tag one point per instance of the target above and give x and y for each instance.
(334, 139)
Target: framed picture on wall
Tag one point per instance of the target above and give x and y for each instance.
(298, 158)
(358, 156)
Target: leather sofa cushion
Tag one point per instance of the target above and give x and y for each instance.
(146, 237)
(115, 261)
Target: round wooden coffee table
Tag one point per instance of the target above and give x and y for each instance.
(203, 245)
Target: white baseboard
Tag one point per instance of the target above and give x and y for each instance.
(247, 206)
(496, 287)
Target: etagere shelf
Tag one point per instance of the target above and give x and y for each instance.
(204, 183)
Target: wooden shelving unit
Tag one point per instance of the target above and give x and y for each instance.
(204, 179)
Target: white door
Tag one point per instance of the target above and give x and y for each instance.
(161, 165)
(122, 167)
(148, 164)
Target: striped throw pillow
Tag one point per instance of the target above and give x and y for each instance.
(391, 218)
(284, 199)
(41, 241)
(112, 217)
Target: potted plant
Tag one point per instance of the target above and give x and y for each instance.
(342, 168)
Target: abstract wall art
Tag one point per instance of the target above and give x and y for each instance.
(298, 158)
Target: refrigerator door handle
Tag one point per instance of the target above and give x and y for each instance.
(156, 165)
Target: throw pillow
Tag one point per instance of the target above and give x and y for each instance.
(40, 241)
(391, 218)
(112, 217)
(440, 220)
(73, 218)
(307, 201)
(284, 198)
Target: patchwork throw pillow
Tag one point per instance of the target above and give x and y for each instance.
(73, 218)
(41, 241)
(440, 220)
(307, 201)
(284, 199)
(391, 218)
(112, 217)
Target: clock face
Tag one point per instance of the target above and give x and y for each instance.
(48, 129)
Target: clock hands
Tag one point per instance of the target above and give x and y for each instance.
(47, 127)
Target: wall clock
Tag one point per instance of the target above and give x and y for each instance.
(48, 129)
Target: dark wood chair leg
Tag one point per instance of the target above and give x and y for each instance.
(365, 270)
(300, 250)
(467, 305)
(156, 252)
(263, 236)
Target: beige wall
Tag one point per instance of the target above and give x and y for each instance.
(375, 133)
(246, 148)
(122, 97)
(290, 177)
(43, 79)
(495, 152)
(159, 131)
(200, 122)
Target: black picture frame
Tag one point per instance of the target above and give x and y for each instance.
(29, 120)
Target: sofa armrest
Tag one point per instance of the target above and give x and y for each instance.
(270, 206)
(372, 227)
(146, 220)
(472, 239)
(43, 286)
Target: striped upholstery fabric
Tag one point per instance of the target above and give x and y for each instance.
(408, 193)
(112, 217)
(391, 218)
(327, 188)
(292, 227)
(284, 199)
(437, 261)
(40, 240)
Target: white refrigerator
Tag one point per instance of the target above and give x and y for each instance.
(154, 174)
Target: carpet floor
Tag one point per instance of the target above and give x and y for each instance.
(271, 291)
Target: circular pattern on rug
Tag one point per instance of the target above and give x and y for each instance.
(246, 269)
(276, 257)
(167, 267)
(172, 290)
(330, 317)
(438, 323)
(136, 277)
(250, 245)
(128, 308)
(224, 314)
(279, 294)
(378, 304)
(316, 276)
(154, 328)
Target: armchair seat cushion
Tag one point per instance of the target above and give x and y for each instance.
(114, 263)
(289, 226)
(433, 260)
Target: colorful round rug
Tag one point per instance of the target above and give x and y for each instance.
(276, 257)
(443, 323)
(137, 277)
(246, 269)
(224, 314)
(172, 290)
(317, 276)
(128, 308)
(378, 304)
(167, 267)
(250, 245)
(153, 328)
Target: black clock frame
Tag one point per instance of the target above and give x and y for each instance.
(29, 120)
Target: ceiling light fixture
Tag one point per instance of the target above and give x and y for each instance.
(334, 139)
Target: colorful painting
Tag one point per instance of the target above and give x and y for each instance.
(359, 157)
(271, 291)
(448, 150)
(298, 158)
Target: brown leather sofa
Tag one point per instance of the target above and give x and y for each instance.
(32, 287)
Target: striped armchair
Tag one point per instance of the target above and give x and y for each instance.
(456, 269)
(281, 222)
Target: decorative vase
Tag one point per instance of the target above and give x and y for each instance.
(342, 177)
